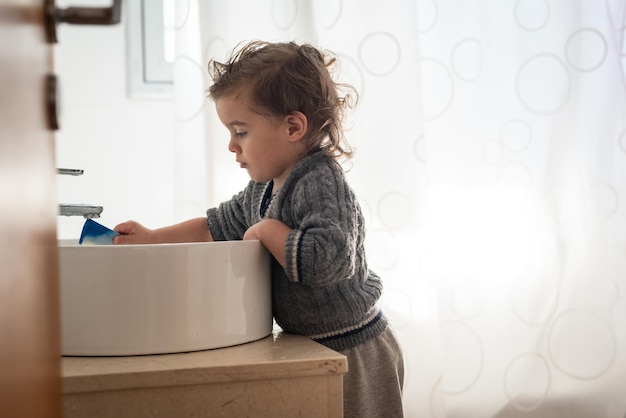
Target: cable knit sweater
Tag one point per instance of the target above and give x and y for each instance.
(326, 291)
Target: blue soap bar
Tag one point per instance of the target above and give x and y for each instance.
(96, 234)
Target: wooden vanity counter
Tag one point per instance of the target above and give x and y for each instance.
(281, 375)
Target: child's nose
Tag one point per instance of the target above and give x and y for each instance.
(232, 147)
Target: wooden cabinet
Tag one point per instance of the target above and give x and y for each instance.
(279, 376)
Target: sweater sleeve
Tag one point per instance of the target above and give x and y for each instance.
(322, 246)
(230, 220)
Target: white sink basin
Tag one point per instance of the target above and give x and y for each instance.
(164, 298)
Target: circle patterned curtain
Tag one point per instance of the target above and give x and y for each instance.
(491, 166)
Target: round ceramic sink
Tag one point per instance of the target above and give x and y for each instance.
(121, 300)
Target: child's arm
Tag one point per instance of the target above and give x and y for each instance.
(193, 230)
(273, 235)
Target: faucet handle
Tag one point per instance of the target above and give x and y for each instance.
(71, 171)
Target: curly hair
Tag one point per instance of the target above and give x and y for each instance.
(284, 78)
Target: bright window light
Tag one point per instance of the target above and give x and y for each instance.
(150, 48)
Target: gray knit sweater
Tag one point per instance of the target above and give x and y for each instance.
(326, 291)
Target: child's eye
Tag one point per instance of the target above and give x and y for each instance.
(240, 134)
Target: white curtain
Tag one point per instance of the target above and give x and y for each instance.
(491, 165)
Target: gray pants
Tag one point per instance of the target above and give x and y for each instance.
(372, 388)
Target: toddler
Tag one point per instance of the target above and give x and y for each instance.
(284, 115)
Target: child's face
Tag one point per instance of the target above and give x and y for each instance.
(263, 146)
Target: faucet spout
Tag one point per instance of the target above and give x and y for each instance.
(86, 211)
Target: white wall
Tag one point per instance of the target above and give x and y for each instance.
(125, 146)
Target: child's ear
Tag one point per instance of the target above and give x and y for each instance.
(297, 124)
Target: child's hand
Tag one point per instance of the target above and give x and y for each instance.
(132, 232)
(252, 233)
(272, 234)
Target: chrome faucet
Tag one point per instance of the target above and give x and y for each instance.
(84, 210)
